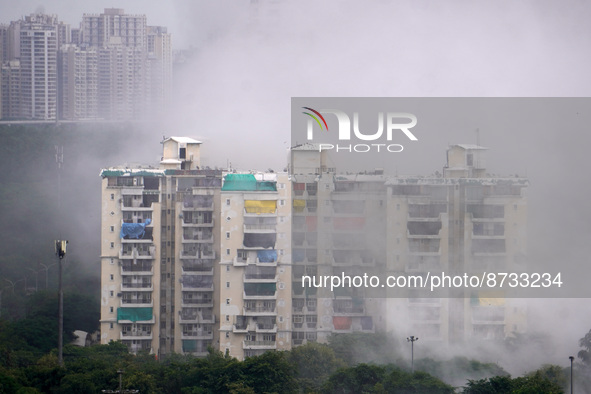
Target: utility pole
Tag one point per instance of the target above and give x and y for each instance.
(571, 358)
(412, 341)
(60, 252)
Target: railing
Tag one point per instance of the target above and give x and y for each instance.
(271, 227)
(259, 343)
(259, 309)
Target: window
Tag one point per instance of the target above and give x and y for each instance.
(112, 228)
(112, 196)
(111, 293)
(227, 201)
(112, 260)
(227, 335)
(227, 317)
(227, 301)
(112, 244)
(111, 325)
(112, 277)
(228, 252)
(228, 283)
(282, 202)
(227, 235)
(227, 268)
(111, 309)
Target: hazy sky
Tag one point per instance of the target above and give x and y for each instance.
(251, 60)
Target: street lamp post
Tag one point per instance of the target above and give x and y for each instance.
(412, 341)
(571, 358)
(120, 390)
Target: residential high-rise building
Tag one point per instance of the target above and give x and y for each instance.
(193, 257)
(255, 264)
(159, 245)
(38, 67)
(78, 81)
(121, 90)
(463, 220)
(159, 69)
(10, 89)
(97, 29)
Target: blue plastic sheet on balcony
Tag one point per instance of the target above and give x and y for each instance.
(134, 314)
(134, 230)
(267, 256)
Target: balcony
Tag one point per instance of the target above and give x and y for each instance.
(260, 228)
(196, 253)
(198, 203)
(259, 345)
(259, 310)
(137, 286)
(197, 236)
(193, 317)
(138, 268)
(260, 277)
(201, 286)
(135, 335)
(348, 310)
(197, 222)
(197, 303)
(266, 327)
(198, 334)
(138, 302)
(137, 253)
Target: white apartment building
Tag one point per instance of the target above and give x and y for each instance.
(158, 252)
(193, 258)
(255, 264)
(462, 221)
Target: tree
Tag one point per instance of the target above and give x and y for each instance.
(313, 363)
(585, 353)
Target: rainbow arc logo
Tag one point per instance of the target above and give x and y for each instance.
(315, 118)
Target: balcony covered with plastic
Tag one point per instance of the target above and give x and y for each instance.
(260, 289)
(136, 230)
(254, 272)
(259, 240)
(136, 314)
(258, 207)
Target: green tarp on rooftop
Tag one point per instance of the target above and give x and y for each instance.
(246, 182)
